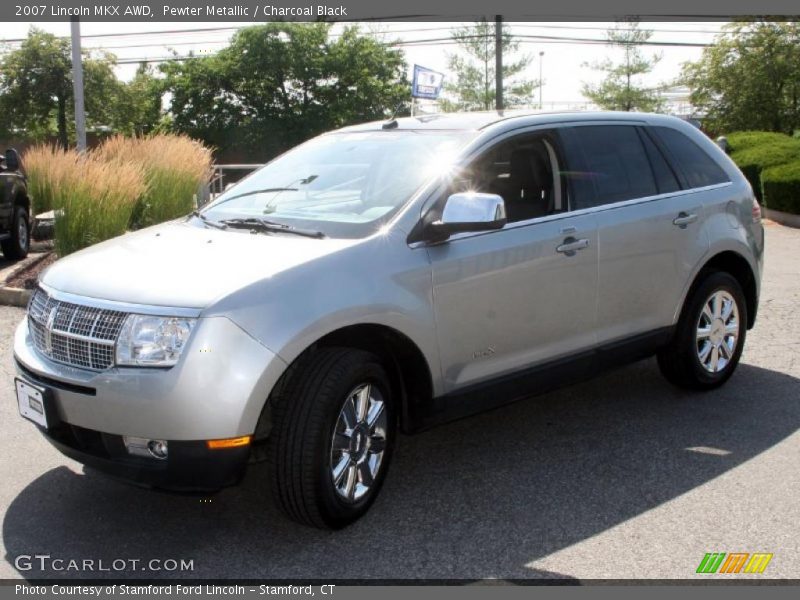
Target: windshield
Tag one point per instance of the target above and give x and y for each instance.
(342, 184)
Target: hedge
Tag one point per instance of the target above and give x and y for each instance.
(741, 140)
(781, 185)
(754, 151)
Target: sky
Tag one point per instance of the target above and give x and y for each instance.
(564, 65)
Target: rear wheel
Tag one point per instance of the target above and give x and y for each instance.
(710, 336)
(333, 432)
(17, 246)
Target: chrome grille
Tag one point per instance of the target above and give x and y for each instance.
(73, 334)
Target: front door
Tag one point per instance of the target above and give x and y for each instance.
(524, 295)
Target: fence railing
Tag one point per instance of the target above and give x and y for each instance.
(217, 183)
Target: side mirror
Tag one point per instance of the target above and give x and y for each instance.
(470, 211)
(12, 160)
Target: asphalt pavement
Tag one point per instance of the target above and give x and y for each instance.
(620, 477)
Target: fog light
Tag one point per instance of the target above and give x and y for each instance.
(144, 447)
(158, 448)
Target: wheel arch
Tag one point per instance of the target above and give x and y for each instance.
(737, 266)
(408, 369)
(22, 199)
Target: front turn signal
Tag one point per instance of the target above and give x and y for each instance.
(236, 442)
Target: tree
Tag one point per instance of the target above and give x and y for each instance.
(474, 70)
(36, 97)
(620, 90)
(750, 78)
(280, 83)
(137, 109)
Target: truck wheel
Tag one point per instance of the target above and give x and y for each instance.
(710, 336)
(332, 437)
(16, 246)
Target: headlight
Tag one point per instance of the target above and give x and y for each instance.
(146, 341)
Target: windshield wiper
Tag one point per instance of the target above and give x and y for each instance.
(276, 190)
(207, 221)
(257, 224)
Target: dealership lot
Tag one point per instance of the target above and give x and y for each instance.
(620, 477)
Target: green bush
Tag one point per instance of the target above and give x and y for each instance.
(754, 151)
(741, 140)
(781, 186)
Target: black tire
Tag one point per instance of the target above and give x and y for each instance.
(679, 361)
(17, 246)
(305, 409)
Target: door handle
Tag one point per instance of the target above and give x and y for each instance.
(571, 246)
(683, 219)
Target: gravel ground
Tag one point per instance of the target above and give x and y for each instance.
(620, 477)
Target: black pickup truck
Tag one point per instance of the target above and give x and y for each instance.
(15, 207)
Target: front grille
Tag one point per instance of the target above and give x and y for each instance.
(73, 334)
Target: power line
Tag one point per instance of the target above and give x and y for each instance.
(529, 39)
(435, 41)
(122, 34)
(137, 33)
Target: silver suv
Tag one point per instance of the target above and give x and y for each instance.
(384, 278)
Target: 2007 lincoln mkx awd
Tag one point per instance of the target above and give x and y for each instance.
(387, 277)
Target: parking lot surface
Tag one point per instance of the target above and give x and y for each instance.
(620, 477)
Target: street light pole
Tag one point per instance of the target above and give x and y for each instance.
(541, 81)
(77, 84)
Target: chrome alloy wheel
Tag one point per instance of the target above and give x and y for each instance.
(359, 441)
(717, 331)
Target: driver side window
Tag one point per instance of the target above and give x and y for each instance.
(525, 170)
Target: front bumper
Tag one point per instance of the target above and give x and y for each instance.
(216, 391)
(190, 466)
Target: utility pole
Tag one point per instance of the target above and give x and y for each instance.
(77, 84)
(498, 62)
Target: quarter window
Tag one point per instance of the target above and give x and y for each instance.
(697, 167)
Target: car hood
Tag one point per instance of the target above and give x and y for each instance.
(182, 265)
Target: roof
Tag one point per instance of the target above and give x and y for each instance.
(474, 121)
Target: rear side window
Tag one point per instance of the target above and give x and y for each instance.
(614, 160)
(697, 167)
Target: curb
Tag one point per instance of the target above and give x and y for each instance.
(15, 296)
(11, 296)
(783, 218)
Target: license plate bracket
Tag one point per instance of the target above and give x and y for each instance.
(33, 403)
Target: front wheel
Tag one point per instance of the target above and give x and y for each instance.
(332, 438)
(710, 335)
(16, 246)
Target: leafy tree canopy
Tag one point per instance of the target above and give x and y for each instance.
(750, 78)
(278, 84)
(36, 96)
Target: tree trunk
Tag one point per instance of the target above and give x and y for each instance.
(61, 118)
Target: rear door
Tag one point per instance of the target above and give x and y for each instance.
(650, 226)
